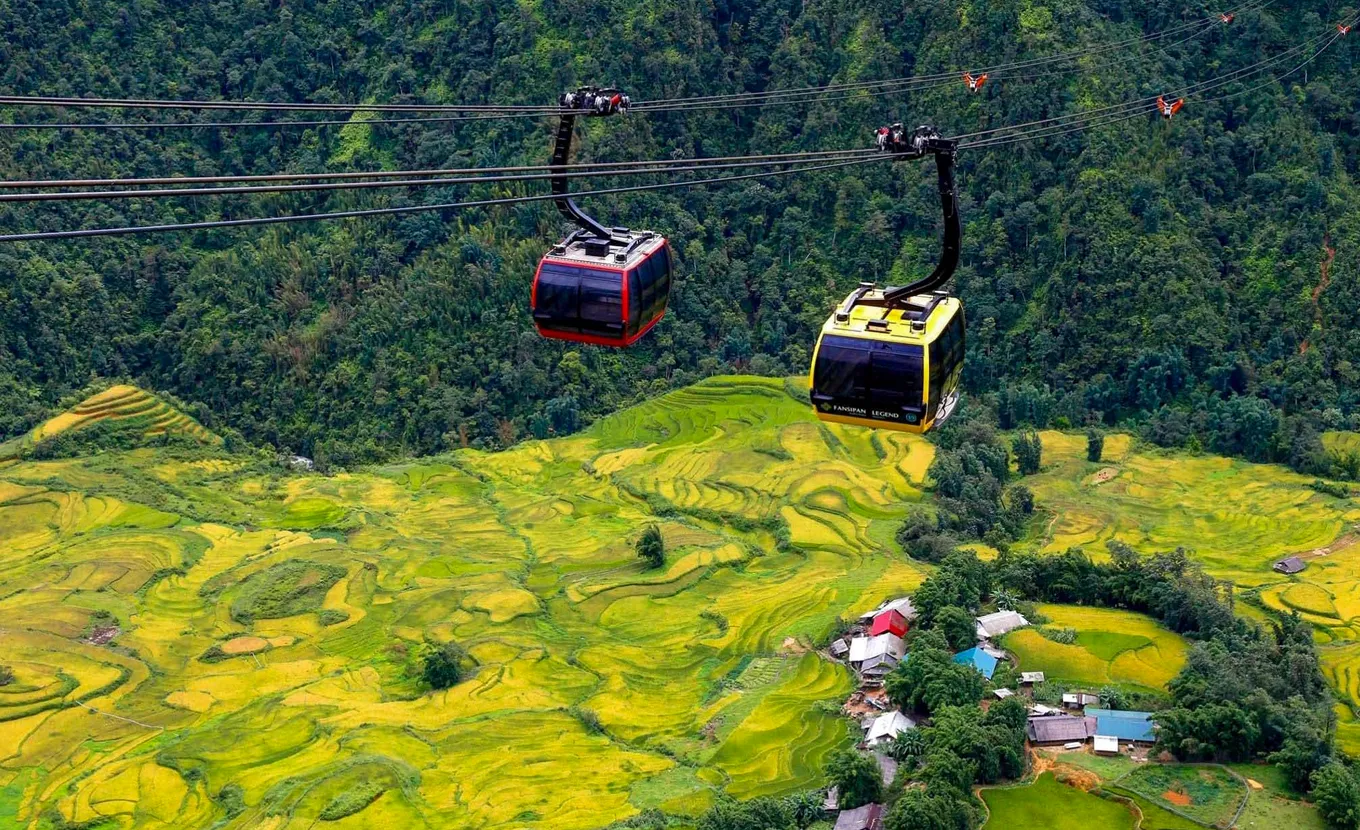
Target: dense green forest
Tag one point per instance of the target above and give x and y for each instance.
(1199, 275)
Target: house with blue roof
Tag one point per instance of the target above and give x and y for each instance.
(978, 659)
(1126, 725)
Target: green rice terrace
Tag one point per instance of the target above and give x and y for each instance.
(202, 639)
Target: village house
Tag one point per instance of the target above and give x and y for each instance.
(868, 817)
(1080, 700)
(901, 605)
(1292, 565)
(887, 726)
(1053, 730)
(1029, 678)
(889, 622)
(978, 659)
(991, 626)
(1126, 726)
(876, 654)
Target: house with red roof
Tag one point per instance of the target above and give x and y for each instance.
(889, 622)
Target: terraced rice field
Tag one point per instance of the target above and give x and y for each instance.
(210, 709)
(117, 403)
(1112, 647)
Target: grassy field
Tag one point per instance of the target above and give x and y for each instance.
(1047, 804)
(1210, 795)
(1112, 647)
(260, 671)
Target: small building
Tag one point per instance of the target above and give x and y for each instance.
(832, 802)
(901, 605)
(1292, 565)
(978, 659)
(1127, 726)
(1029, 678)
(990, 626)
(889, 622)
(1002, 694)
(1106, 745)
(885, 727)
(878, 666)
(1079, 700)
(868, 817)
(840, 648)
(1040, 710)
(1059, 729)
(302, 462)
(864, 648)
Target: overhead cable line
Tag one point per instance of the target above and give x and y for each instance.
(86, 195)
(380, 174)
(353, 214)
(1105, 116)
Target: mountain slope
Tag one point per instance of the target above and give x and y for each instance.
(129, 409)
(1142, 264)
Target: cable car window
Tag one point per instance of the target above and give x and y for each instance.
(557, 298)
(602, 302)
(897, 374)
(663, 277)
(842, 368)
(634, 299)
(648, 271)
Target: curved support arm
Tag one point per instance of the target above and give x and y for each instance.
(949, 204)
(560, 184)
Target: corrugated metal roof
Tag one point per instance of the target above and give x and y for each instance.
(994, 625)
(1056, 729)
(1126, 725)
(868, 817)
(978, 659)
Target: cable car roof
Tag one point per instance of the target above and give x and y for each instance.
(899, 324)
(633, 246)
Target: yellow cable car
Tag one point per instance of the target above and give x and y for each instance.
(893, 357)
(895, 367)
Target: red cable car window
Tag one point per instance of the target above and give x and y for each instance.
(635, 308)
(602, 302)
(557, 298)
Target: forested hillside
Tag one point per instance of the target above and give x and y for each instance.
(1201, 271)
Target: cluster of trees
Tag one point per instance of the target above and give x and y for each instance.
(973, 496)
(1167, 272)
(651, 548)
(442, 664)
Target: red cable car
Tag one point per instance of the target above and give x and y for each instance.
(605, 286)
(609, 292)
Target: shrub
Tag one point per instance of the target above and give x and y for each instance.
(441, 664)
(1095, 444)
(6, 675)
(331, 616)
(651, 548)
(588, 719)
(1065, 636)
(352, 801)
